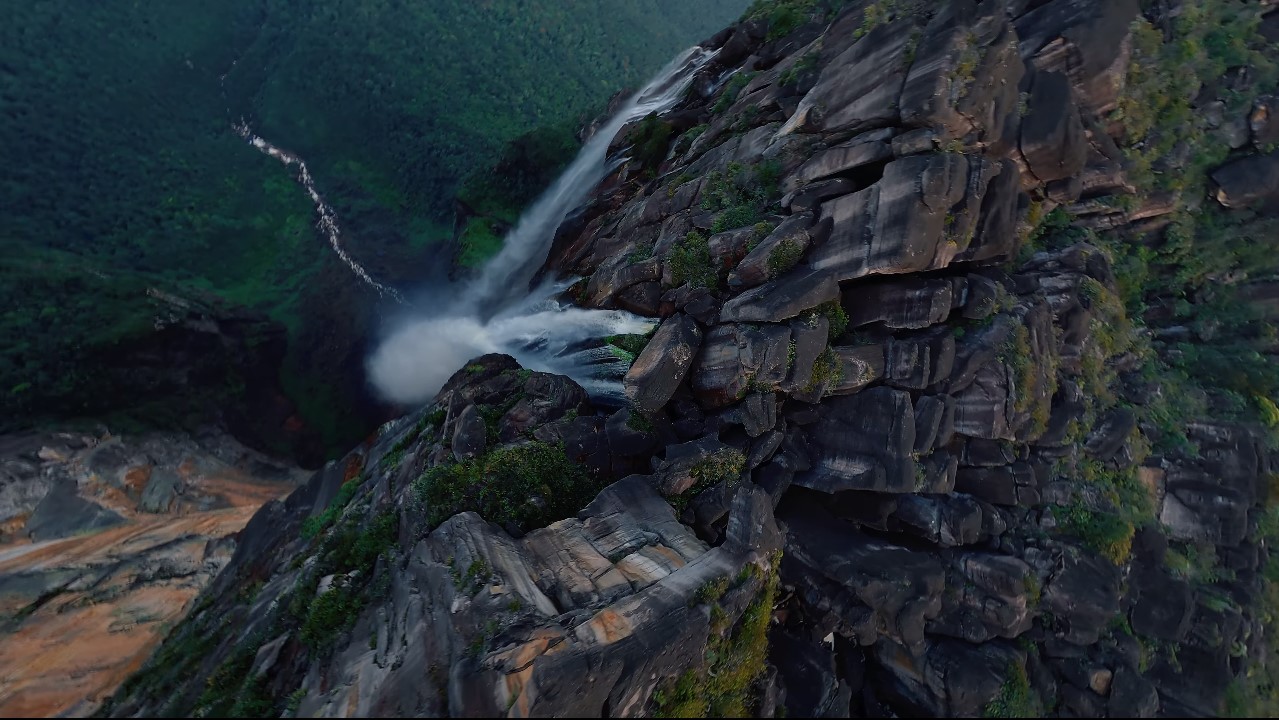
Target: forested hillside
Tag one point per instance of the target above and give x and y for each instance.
(123, 172)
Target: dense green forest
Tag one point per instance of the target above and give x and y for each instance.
(122, 171)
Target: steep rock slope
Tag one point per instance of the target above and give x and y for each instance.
(880, 354)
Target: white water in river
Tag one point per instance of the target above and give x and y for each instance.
(499, 312)
(328, 222)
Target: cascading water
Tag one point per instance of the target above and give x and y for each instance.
(497, 312)
(328, 222)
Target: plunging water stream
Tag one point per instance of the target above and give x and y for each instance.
(328, 222)
(498, 312)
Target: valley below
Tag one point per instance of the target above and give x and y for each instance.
(107, 543)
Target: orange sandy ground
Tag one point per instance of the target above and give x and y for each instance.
(71, 654)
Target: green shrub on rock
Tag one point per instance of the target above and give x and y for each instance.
(529, 486)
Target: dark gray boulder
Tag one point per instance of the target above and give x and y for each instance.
(1084, 39)
(860, 87)
(867, 587)
(775, 255)
(782, 299)
(946, 678)
(1052, 135)
(918, 361)
(1249, 181)
(965, 76)
(945, 520)
(63, 513)
(865, 149)
(734, 356)
(919, 216)
(864, 442)
(661, 366)
(909, 303)
(860, 365)
(161, 491)
(1083, 593)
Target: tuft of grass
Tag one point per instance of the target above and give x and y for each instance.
(828, 370)
(1108, 534)
(711, 591)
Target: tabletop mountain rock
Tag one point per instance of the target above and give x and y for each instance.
(878, 424)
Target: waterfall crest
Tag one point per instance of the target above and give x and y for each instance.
(498, 312)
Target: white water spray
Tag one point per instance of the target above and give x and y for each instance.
(497, 312)
(328, 222)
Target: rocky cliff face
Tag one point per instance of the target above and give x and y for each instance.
(892, 418)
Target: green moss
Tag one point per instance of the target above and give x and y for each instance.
(835, 316)
(881, 12)
(639, 422)
(633, 344)
(828, 371)
(711, 591)
(502, 485)
(1034, 590)
(723, 466)
(806, 64)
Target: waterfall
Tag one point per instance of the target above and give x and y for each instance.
(498, 312)
(328, 222)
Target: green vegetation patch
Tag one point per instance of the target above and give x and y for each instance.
(783, 16)
(317, 524)
(741, 195)
(350, 555)
(785, 256)
(530, 486)
(726, 684)
(650, 140)
(691, 262)
(1016, 699)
